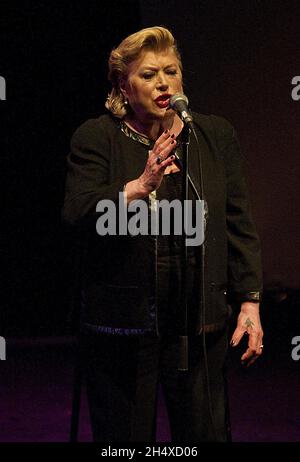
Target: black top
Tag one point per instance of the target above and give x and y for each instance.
(169, 189)
(118, 268)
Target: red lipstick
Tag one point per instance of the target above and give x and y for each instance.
(162, 101)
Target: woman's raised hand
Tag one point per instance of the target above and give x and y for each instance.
(159, 158)
(151, 178)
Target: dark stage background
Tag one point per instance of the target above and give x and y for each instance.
(240, 57)
(239, 60)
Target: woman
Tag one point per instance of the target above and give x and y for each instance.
(131, 283)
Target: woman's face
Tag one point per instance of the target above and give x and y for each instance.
(151, 81)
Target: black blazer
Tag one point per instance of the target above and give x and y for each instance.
(119, 272)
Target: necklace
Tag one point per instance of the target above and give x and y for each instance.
(128, 131)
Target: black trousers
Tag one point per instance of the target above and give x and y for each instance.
(122, 384)
(123, 374)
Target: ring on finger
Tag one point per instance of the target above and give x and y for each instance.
(158, 159)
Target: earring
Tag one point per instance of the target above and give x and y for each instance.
(126, 102)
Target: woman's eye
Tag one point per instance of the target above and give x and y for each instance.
(172, 71)
(148, 75)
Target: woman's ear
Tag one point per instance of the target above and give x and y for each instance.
(122, 86)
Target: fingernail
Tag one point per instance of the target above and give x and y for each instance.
(173, 136)
(166, 131)
(172, 157)
(172, 142)
(232, 342)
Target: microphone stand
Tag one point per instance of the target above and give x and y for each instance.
(183, 314)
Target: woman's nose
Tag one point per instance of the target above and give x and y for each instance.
(162, 82)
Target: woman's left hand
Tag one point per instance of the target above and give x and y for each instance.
(160, 157)
(249, 323)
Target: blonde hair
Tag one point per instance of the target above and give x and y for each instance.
(151, 38)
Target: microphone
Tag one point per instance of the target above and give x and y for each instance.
(179, 103)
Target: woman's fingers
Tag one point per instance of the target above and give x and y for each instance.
(167, 161)
(159, 158)
(162, 139)
(161, 155)
(237, 335)
(250, 356)
(164, 145)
